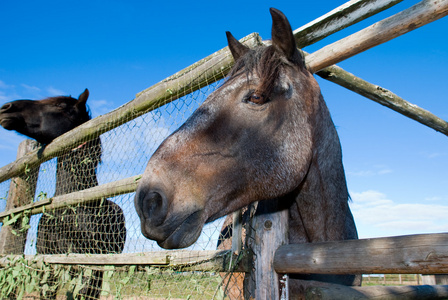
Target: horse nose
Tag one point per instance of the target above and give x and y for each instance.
(153, 206)
(6, 107)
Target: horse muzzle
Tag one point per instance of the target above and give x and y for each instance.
(170, 229)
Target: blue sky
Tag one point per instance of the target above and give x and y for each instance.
(396, 168)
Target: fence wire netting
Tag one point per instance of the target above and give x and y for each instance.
(106, 225)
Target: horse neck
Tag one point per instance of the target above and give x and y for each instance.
(76, 169)
(321, 209)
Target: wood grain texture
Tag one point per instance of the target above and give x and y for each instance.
(407, 20)
(21, 193)
(339, 18)
(411, 254)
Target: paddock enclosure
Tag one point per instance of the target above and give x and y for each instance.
(132, 132)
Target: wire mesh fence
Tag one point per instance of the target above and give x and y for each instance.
(131, 282)
(107, 225)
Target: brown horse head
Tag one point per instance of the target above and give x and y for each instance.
(255, 138)
(44, 120)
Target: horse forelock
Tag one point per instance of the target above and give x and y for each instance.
(265, 62)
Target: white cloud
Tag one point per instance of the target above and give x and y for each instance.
(384, 171)
(376, 215)
(7, 92)
(374, 171)
(10, 140)
(99, 107)
(55, 92)
(30, 88)
(434, 198)
(435, 155)
(3, 85)
(3, 97)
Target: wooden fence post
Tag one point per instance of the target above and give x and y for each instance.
(21, 192)
(435, 279)
(269, 230)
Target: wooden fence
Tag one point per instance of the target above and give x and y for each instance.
(424, 254)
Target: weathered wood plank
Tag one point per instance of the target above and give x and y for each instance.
(418, 292)
(384, 97)
(111, 189)
(27, 207)
(407, 20)
(237, 231)
(411, 254)
(148, 258)
(21, 193)
(339, 18)
(208, 260)
(440, 279)
(269, 230)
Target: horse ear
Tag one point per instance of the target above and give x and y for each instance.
(236, 48)
(282, 37)
(82, 99)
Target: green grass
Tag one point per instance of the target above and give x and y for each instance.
(167, 285)
(391, 279)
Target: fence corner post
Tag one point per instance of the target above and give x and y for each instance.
(21, 192)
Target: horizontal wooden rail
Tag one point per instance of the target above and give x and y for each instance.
(187, 260)
(339, 18)
(412, 254)
(111, 189)
(407, 20)
(416, 292)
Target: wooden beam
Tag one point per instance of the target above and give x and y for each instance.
(21, 193)
(339, 18)
(237, 231)
(111, 189)
(384, 97)
(268, 231)
(407, 20)
(411, 254)
(146, 258)
(418, 292)
(27, 207)
(186, 260)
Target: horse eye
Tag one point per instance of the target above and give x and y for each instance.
(256, 98)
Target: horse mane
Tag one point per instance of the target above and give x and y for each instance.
(265, 62)
(78, 166)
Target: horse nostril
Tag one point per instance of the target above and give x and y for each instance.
(6, 107)
(154, 207)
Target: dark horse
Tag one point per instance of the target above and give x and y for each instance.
(97, 227)
(266, 133)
